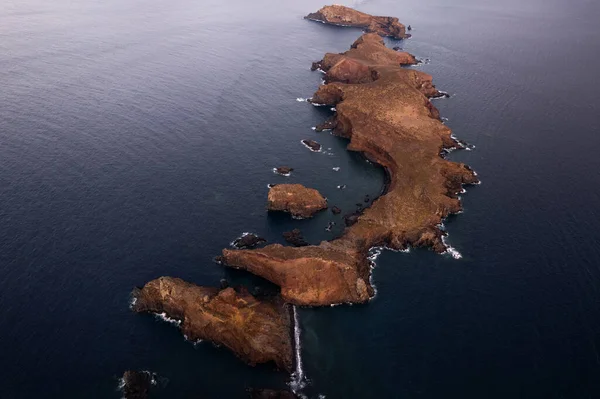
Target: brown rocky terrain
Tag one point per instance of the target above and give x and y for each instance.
(300, 201)
(257, 331)
(385, 112)
(346, 16)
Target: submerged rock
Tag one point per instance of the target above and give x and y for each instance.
(136, 384)
(329, 226)
(313, 145)
(335, 210)
(248, 240)
(346, 16)
(296, 199)
(295, 238)
(351, 218)
(257, 331)
(270, 394)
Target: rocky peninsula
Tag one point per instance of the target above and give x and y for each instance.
(346, 16)
(385, 112)
(257, 331)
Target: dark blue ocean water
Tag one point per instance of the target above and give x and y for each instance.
(137, 140)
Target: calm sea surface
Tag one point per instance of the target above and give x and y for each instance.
(137, 140)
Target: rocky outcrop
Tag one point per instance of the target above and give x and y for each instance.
(300, 201)
(283, 170)
(312, 145)
(385, 112)
(295, 238)
(136, 384)
(346, 16)
(248, 240)
(256, 331)
(329, 124)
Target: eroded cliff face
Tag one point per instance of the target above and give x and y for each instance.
(257, 331)
(346, 16)
(385, 111)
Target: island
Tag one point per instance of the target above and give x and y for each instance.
(257, 331)
(301, 202)
(346, 16)
(385, 112)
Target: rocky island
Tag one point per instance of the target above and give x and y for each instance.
(257, 331)
(385, 112)
(300, 201)
(346, 16)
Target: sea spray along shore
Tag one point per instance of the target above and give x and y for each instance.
(386, 113)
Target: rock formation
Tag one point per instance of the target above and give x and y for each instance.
(284, 170)
(295, 238)
(312, 145)
(256, 331)
(346, 16)
(296, 199)
(248, 240)
(385, 112)
(136, 384)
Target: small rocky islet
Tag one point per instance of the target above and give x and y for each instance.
(386, 113)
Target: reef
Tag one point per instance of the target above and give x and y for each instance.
(346, 16)
(257, 331)
(300, 201)
(385, 112)
(136, 384)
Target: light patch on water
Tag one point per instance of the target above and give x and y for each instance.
(336, 168)
(301, 100)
